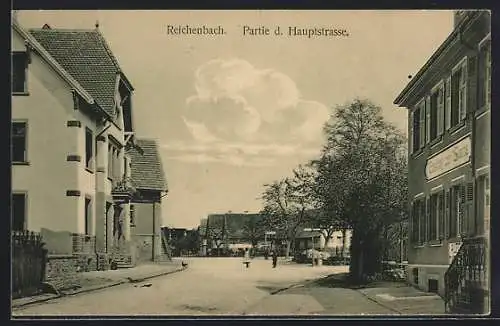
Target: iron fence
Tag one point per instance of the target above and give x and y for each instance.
(29, 258)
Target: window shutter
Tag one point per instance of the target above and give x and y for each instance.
(447, 214)
(411, 135)
(447, 105)
(427, 220)
(422, 124)
(461, 215)
(472, 83)
(440, 111)
(421, 221)
(488, 73)
(463, 91)
(469, 210)
(441, 212)
(427, 119)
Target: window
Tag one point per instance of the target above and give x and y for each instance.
(19, 141)
(110, 161)
(456, 223)
(436, 217)
(113, 162)
(416, 129)
(419, 127)
(88, 215)
(18, 212)
(484, 75)
(89, 148)
(418, 222)
(19, 69)
(434, 115)
(482, 208)
(433, 217)
(132, 215)
(458, 94)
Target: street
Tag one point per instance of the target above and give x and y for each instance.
(210, 286)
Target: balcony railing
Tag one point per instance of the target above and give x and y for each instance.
(466, 280)
(123, 186)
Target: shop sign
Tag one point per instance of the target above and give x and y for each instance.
(449, 159)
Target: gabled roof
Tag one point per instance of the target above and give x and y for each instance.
(87, 57)
(35, 45)
(146, 167)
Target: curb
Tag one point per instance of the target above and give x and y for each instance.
(94, 288)
(378, 302)
(138, 280)
(297, 285)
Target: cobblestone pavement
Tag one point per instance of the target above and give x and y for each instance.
(210, 286)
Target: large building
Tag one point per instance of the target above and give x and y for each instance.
(448, 104)
(72, 132)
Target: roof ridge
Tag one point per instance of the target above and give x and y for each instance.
(104, 43)
(38, 29)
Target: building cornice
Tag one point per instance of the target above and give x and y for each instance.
(439, 54)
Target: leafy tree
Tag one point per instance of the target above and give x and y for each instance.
(362, 179)
(286, 202)
(253, 230)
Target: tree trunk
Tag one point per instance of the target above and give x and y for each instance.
(288, 248)
(344, 232)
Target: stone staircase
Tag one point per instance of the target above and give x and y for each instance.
(165, 254)
(122, 256)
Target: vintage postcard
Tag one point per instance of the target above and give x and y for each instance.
(250, 163)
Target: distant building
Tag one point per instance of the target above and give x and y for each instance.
(449, 105)
(224, 230)
(335, 244)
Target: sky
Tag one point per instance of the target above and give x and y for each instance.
(233, 112)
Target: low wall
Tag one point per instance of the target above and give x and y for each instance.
(61, 271)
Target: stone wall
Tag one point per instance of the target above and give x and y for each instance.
(61, 271)
(84, 251)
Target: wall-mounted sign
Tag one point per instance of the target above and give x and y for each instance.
(449, 159)
(453, 248)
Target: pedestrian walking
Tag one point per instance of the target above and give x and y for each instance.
(246, 258)
(275, 258)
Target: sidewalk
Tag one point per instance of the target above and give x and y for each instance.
(405, 300)
(332, 296)
(97, 280)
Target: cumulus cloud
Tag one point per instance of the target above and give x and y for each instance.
(236, 101)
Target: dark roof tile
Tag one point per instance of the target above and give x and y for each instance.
(85, 55)
(146, 167)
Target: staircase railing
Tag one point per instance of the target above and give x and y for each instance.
(466, 278)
